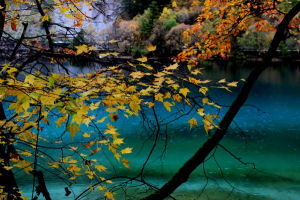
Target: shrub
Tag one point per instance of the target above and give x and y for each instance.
(170, 23)
(137, 52)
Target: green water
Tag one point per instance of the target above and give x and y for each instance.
(266, 132)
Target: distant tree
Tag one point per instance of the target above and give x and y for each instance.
(131, 8)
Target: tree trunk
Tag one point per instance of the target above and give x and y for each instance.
(199, 157)
(7, 179)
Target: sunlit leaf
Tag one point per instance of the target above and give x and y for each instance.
(126, 150)
(193, 122)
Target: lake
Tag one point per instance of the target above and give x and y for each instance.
(265, 132)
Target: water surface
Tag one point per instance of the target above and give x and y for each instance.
(265, 134)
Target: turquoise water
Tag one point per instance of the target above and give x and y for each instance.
(266, 132)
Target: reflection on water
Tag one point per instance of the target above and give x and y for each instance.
(266, 132)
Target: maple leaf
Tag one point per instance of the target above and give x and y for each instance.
(184, 91)
(101, 120)
(205, 101)
(150, 47)
(73, 129)
(174, 4)
(222, 81)
(86, 135)
(137, 74)
(172, 67)
(203, 90)
(101, 188)
(126, 150)
(159, 97)
(100, 168)
(177, 98)
(81, 49)
(7, 168)
(109, 195)
(232, 84)
(125, 163)
(142, 59)
(167, 105)
(118, 141)
(193, 122)
(200, 111)
(45, 18)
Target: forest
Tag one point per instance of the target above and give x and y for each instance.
(149, 100)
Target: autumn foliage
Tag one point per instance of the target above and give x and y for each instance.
(222, 21)
(87, 105)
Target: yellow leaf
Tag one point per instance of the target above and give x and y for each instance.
(82, 49)
(226, 88)
(174, 4)
(109, 195)
(126, 150)
(25, 165)
(101, 120)
(86, 135)
(150, 47)
(112, 41)
(61, 120)
(102, 55)
(142, 59)
(222, 81)
(73, 129)
(232, 84)
(137, 74)
(193, 122)
(184, 91)
(208, 123)
(118, 141)
(7, 168)
(45, 18)
(11, 70)
(168, 105)
(114, 53)
(25, 153)
(204, 101)
(94, 106)
(91, 188)
(48, 99)
(204, 82)
(172, 67)
(150, 104)
(200, 111)
(177, 98)
(54, 165)
(73, 148)
(159, 97)
(100, 168)
(135, 107)
(101, 188)
(203, 90)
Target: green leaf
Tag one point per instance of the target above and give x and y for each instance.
(51, 81)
